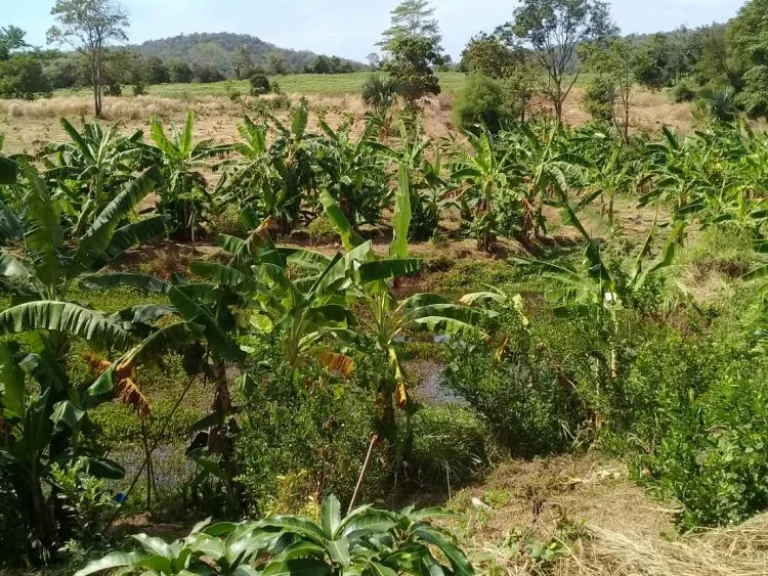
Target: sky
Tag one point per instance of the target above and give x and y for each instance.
(349, 28)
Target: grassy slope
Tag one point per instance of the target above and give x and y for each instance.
(316, 84)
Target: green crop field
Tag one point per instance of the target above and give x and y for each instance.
(310, 84)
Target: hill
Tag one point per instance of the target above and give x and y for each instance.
(221, 50)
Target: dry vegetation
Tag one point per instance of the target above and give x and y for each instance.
(600, 521)
(29, 125)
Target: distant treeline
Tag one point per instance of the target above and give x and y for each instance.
(26, 71)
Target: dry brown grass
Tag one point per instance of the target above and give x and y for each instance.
(624, 534)
(28, 125)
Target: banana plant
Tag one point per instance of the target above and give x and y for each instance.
(90, 169)
(485, 177)
(273, 179)
(10, 223)
(184, 197)
(353, 172)
(205, 315)
(593, 292)
(368, 542)
(679, 174)
(611, 175)
(49, 265)
(391, 318)
(43, 430)
(547, 169)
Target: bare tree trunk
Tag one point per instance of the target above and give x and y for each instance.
(97, 82)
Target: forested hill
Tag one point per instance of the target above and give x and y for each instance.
(222, 50)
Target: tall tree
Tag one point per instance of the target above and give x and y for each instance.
(412, 18)
(11, 38)
(412, 46)
(89, 26)
(243, 62)
(555, 29)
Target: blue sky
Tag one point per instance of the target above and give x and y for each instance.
(349, 28)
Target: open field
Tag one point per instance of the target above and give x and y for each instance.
(309, 84)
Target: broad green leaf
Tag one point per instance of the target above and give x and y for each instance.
(93, 246)
(461, 566)
(44, 235)
(64, 317)
(295, 524)
(365, 523)
(298, 567)
(135, 234)
(12, 397)
(338, 550)
(401, 220)
(378, 270)
(226, 348)
(156, 546)
(125, 280)
(331, 513)
(349, 238)
(66, 414)
(110, 562)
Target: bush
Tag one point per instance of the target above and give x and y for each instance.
(520, 396)
(259, 85)
(599, 99)
(684, 91)
(305, 442)
(480, 102)
(714, 457)
(22, 77)
(450, 444)
(321, 231)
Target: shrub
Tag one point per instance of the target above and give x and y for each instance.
(259, 85)
(321, 231)
(480, 102)
(22, 77)
(714, 458)
(684, 91)
(599, 99)
(305, 442)
(516, 391)
(450, 444)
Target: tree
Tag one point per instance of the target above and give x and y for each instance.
(180, 72)
(11, 38)
(156, 71)
(89, 25)
(243, 62)
(374, 61)
(654, 69)
(555, 29)
(276, 63)
(411, 18)
(488, 56)
(618, 65)
(22, 76)
(750, 47)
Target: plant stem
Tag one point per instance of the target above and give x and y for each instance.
(149, 454)
(362, 472)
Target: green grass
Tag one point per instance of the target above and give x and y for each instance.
(310, 84)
